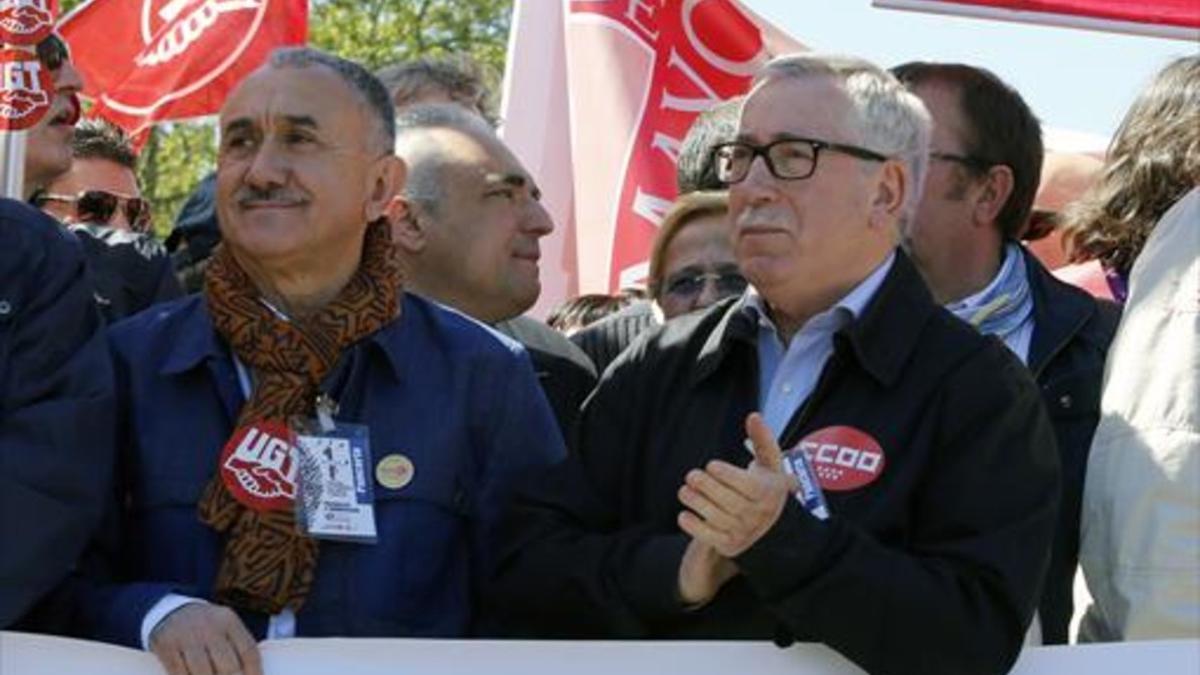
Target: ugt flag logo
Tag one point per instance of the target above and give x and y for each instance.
(150, 60)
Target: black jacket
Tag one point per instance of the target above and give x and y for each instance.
(1071, 335)
(604, 340)
(131, 271)
(564, 371)
(935, 567)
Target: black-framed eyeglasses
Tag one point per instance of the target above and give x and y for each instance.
(686, 285)
(970, 161)
(787, 159)
(53, 52)
(99, 206)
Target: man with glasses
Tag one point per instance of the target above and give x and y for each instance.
(99, 199)
(986, 158)
(911, 525)
(48, 144)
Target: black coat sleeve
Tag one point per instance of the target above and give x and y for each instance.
(959, 597)
(56, 408)
(571, 566)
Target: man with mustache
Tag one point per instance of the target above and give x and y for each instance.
(467, 227)
(304, 331)
(898, 498)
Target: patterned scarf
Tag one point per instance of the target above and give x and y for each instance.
(267, 564)
(1005, 304)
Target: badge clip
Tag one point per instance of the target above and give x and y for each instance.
(335, 496)
(808, 490)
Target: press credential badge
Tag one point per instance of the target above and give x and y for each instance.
(336, 499)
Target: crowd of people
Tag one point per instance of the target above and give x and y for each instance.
(851, 406)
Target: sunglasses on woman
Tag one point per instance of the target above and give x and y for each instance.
(99, 206)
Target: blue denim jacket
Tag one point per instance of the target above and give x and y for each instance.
(459, 400)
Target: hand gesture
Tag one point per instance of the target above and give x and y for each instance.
(702, 573)
(731, 507)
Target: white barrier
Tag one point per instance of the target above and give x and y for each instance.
(25, 654)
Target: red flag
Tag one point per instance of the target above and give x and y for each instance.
(149, 60)
(1156, 18)
(25, 23)
(636, 75)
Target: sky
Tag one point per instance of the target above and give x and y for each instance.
(1074, 79)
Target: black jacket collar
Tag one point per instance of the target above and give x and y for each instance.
(881, 339)
(1060, 312)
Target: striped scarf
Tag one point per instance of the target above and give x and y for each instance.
(267, 565)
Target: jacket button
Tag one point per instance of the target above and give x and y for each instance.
(1065, 400)
(5, 307)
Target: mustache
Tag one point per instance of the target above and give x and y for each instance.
(248, 196)
(752, 216)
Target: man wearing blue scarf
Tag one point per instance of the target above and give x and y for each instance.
(985, 162)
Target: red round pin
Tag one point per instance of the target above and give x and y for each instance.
(258, 466)
(26, 89)
(844, 458)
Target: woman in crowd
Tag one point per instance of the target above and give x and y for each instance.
(1140, 545)
(692, 264)
(1153, 161)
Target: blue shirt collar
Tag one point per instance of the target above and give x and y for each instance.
(845, 310)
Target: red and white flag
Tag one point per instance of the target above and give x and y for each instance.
(149, 60)
(598, 96)
(1155, 18)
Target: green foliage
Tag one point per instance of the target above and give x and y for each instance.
(379, 32)
(373, 32)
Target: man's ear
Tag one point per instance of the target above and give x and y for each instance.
(887, 201)
(408, 227)
(386, 178)
(997, 186)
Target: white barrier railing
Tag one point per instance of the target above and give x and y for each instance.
(26, 654)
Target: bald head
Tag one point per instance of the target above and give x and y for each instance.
(1065, 177)
(431, 138)
(471, 218)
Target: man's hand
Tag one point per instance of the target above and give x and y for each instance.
(702, 573)
(731, 508)
(202, 639)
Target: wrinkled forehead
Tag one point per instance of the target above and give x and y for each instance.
(271, 96)
(811, 106)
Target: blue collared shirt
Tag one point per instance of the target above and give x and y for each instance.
(788, 373)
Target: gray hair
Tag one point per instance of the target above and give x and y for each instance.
(695, 169)
(459, 77)
(355, 76)
(425, 165)
(889, 119)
